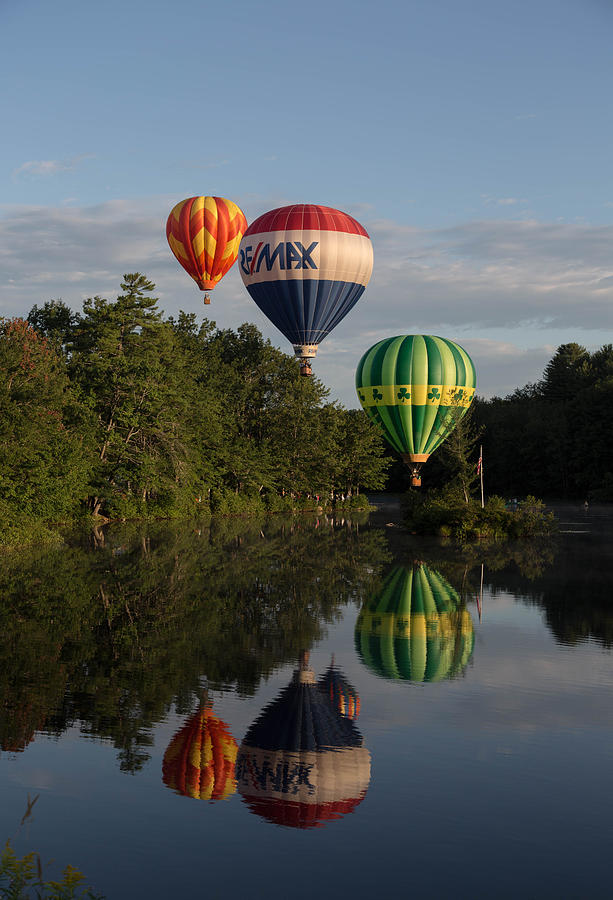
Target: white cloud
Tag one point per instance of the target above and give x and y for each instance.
(496, 274)
(46, 167)
(507, 291)
(501, 201)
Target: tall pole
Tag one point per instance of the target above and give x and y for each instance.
(481, 473)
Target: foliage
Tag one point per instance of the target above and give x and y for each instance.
(445, 512)
(44, 463)
(119, 412)
(455, 454)
(554, 437)
(109, 636)
(19, 876)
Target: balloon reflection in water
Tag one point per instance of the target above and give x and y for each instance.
(341, 694)
(415, 628)
(302, 764)
(200, 759)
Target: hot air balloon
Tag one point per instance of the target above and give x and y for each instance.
(415, 628)
(301, 764)
(340, 693)
(199, 761)
(204, 234)
(416, 388)
(305, 266)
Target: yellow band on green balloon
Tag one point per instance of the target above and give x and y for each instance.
(416, 395)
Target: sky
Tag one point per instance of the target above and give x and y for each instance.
(472, 140)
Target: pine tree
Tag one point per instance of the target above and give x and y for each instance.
(124, 361)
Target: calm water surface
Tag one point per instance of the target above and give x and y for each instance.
(312, 708)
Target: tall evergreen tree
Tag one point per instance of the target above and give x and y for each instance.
(124, 362)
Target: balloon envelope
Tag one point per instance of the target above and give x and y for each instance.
(415, 628)
(204, 234)
(416, 387)
(199, 761)
(301, 763)
(340, 693)
(305, 266)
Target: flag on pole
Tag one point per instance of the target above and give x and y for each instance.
(480, 463)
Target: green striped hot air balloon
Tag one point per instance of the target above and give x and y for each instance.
(415, 628)
(416, 388)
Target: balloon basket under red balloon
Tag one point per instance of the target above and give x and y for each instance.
(206, 299)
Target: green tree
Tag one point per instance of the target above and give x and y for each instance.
(565, 373)
(44, 459)
(457, 453)
(124, 361)
(54, 321)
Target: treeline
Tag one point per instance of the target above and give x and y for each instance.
(120, 412)
(553, 439)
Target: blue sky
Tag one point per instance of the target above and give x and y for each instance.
(473, 140)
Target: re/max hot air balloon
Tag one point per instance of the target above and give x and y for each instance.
(416, 387)
(415, 628)
(302, 764)
(199, 761)
(204, 234)
(305, 266)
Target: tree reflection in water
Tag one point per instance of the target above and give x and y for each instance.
(111, 636)
(110, 632)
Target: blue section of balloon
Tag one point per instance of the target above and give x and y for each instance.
(306, 311)
(301, 718)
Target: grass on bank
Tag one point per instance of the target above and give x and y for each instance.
(19, 530)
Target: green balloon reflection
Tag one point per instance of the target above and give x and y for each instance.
(415, 628)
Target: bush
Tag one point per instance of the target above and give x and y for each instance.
(444, 512)
(225, 502)
(21, 530)
(276, 503)
(19, 876)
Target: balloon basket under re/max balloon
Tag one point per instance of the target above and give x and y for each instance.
(305, 353)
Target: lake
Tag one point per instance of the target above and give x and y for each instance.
(312, 707)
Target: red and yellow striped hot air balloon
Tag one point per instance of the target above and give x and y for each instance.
(204, 234)
(200, 759)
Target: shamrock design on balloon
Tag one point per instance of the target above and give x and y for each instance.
(458, 395)
(377, 395)
(402, 626)
(434, 394)
(403, 394)
(362, 396)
